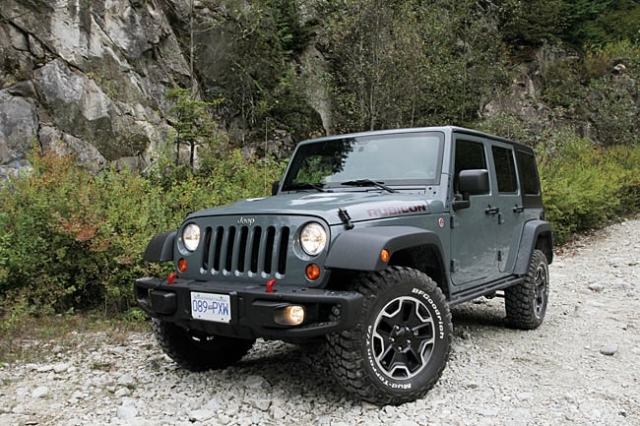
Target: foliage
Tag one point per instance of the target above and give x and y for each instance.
(247, 58)
(531, 22)
(586, 186)
(600, 92)
(598, 22)
(194, 125)
(402, 64)
(74, 241)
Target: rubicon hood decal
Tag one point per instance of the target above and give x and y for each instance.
(396, 210)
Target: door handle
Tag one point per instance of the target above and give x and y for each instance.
(492, 210)
(518, 209)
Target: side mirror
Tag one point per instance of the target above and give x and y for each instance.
(274, 187)
(474, 182)
(471, 182)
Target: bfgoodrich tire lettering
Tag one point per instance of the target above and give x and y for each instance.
(400, 347)
(526, 304)
(199, 352)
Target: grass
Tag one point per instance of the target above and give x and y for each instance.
(32, 339)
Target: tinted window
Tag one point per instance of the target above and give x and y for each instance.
(505, 169)
(469, 155)
(528, 173)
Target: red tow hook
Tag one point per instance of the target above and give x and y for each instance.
(270, 285)
(171, 279)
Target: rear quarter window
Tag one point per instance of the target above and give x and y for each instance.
(528, 173)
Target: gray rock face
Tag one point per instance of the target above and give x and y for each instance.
(18, 128)
(87, 78)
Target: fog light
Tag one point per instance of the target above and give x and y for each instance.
(290, 315)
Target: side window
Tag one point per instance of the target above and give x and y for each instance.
(505, 169)
(469, 155)
(528, 173)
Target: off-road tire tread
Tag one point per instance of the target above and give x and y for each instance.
(344, 348)
(518, 299)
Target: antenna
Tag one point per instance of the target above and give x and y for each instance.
(266, 157)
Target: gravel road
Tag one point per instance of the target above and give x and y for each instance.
(582, 366)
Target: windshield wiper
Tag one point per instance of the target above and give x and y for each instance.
(368, 182)
(307, 185)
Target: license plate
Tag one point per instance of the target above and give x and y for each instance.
(211, 307)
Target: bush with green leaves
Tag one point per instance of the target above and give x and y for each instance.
(586, 186)
(75, 241)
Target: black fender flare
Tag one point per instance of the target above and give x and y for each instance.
(533, 230)
(160, 248)
(359, 249)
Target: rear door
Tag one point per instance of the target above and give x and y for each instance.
(507, 201)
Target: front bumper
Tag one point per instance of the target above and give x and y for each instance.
(252, 308)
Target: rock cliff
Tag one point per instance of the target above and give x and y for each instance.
(86, 77)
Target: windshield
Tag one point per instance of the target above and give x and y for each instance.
(390, 159)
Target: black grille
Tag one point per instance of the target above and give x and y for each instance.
(246, 251)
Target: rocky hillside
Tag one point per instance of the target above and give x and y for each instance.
(91, 77)
(86, 78)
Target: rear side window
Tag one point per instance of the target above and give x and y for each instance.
(528, 173)
(505, 169)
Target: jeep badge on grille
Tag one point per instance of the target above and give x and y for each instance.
(249, 221)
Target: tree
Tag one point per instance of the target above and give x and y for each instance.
(194, 124)
(408, 63)
(597, 22)
(533, 22)
(247, 56)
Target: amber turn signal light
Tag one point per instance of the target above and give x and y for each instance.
(313, 272)
(384, 255)
(182, 264)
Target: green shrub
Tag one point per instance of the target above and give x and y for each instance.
(586, 186)
(74, 241)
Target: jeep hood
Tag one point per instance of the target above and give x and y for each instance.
(359, 205)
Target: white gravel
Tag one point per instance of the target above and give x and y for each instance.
(582, 366)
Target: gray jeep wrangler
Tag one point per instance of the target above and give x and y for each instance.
(366, 243)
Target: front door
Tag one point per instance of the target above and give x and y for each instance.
(473, 234)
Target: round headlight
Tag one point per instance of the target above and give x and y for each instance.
(191, 236)
(313, 238)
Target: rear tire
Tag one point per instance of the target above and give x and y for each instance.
(526, 304)
(399, 348)
(197, 351)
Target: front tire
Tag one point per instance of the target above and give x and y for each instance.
(196, 351)
(526, 304)
(400, 347)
